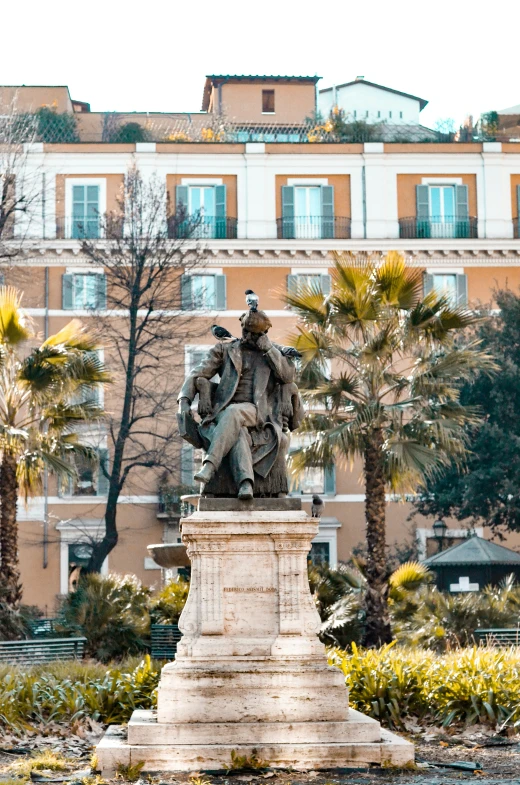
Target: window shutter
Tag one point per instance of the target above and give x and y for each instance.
(101, 291)
(461, 206)
(422, 213)
(422, 202)
(329, 480)
(518, 202)
(102, 487)
(220, 211)
(427, 283)
(187, 465)
(461, 197)
(327, 211)
(292, 284)
(462, 289)
(186, 295)
(326, 284)
(67, 291)
(287, 212)
(181, 199)
(220, 292)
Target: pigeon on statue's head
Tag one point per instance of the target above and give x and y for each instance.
(251, 299)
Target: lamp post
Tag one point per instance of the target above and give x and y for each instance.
(439, 532)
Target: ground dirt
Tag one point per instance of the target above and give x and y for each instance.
(493, 758)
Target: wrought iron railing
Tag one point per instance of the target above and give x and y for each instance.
(314, 227)
(448, 228)
(203, 228)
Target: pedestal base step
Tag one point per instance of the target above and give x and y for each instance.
(321, 753)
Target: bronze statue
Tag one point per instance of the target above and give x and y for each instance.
(247, 415)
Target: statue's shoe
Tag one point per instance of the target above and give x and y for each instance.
(246, 490)
(206, 473)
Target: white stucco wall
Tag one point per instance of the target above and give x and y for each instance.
(380, 104)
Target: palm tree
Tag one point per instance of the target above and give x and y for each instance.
(41, 407)
(398, 361)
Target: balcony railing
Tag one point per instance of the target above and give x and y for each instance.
(79, 228)
(516, 228)
(448, 228)
(314, 227)
(204, 227)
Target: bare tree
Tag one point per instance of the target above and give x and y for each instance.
(146, 249)
(21, 183)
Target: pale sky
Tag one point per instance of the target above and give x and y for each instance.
(154, 55)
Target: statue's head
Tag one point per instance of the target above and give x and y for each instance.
(254, 324)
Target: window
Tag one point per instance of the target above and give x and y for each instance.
(314, 479)
(89, 395)
(268, 101)
(203, 292)
(400, 115)
(299, 280)
(355, 113)
(366, 113)
(205, 206)
(390, 115)
(442, 210)
(379, 113)
(320, 553)
(85, 212)
(90, 479)
(452, 285)
(307, 212)
(83, 291)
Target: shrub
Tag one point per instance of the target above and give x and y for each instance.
(14, 624)
(55, 127)
(129, 133)
(166, 607)
(62, 693)
(395, 684)
(111, 612)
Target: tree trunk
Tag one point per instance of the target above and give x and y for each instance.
(378, 630)
(9, 569)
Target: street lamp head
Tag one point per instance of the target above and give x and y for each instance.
(439, 529)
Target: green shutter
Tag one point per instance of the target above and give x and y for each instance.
(220, 211)
(101, 291)
(427, 283)
(186, 295)
(461, 200)
(187, 471)
(67, 292)
(462, 289)
(518, 202)
(422, 212)
(287, 212)
(181, 199)
(220, 292)
(292, 284)
(326, 284)
(102, 487)
(461, 206)
(327, 211)
(329, 480)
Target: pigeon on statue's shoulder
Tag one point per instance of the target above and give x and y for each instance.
(220, 333)
(317, 506)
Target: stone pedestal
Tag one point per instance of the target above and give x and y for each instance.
(250, 673)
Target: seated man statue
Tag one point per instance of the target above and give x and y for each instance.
(246, 416)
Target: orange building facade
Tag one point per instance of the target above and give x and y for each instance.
(275, 213)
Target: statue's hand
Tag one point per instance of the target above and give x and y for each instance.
(205, 408)
(184, 406)
(264, 344)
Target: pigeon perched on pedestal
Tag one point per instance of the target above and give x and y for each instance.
(220, 333)
(317, 506)
(252, 299)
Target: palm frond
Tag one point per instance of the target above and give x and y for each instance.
(15, 324)
(72, 336)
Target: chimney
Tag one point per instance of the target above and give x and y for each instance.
(359, 77)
